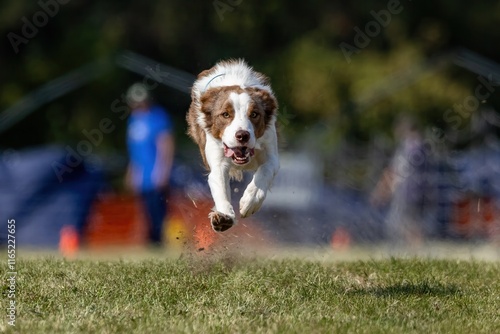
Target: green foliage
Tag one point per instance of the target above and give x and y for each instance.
(296, 44)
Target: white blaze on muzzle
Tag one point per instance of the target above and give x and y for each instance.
(241, 103)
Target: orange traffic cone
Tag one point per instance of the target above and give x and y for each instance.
(69, 241)
(341, 239)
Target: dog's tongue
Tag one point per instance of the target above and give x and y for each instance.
(237, 151)
(228, 152)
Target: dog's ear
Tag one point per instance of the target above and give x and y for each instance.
(266, 100)
(208, 105)
(204, 73)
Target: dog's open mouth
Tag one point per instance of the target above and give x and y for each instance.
(240, 154)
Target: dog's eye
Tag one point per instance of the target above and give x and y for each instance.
(225, 114)
(254, 114)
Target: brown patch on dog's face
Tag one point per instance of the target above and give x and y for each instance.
(218, 109)
(222, 117)
(261, 110)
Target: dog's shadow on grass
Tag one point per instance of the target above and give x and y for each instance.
(408, 289)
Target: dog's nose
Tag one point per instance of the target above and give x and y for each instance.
(242, 136)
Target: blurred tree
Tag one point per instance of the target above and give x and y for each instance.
(402, 68)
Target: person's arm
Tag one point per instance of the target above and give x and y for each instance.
(164, 159)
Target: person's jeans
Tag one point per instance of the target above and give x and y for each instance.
(155, 204)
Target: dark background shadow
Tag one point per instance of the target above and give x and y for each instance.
(406, 289)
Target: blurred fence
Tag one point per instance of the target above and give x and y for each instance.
(315, 195)
(315, 200)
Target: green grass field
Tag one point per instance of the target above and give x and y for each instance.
(225, 293)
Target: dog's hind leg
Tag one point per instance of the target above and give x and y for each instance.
(256, 191)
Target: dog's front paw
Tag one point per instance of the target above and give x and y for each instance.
(220, 222)
(251, 201)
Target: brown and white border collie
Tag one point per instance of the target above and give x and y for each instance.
(232, 118)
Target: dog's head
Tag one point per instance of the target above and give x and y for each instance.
(238, 117)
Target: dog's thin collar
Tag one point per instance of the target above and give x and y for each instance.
(208, 83)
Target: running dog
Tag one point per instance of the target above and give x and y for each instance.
(232, 118)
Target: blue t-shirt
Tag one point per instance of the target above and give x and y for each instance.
(144, 129)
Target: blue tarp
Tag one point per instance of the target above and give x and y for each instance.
(43, 193)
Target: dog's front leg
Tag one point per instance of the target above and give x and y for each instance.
(256, 191)
(222, 217)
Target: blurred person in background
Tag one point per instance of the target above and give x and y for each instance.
(150, 145)
(403, 184)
